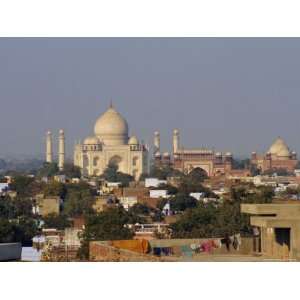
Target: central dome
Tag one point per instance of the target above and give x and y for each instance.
(111, 128)
(279, 148)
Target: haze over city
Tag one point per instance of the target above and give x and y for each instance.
(235, 95)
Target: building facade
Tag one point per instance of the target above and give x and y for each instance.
(111, 144)
(185, 160)
(278, 156)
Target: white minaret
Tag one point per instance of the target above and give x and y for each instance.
(175, 141)
(61, 150)
(49, 147)
(156, 142)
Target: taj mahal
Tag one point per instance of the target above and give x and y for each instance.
(110, 144)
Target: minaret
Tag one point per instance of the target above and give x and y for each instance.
(156, 142)
(175, 141)
(61, 150)
(49, 147)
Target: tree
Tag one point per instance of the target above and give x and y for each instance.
(78, 202)
(7, 231)
(207, 221)
(21, 185)
(197, 175)
(111, 174)
(59, 222)
(22, 207)
(105, 226)
(71, 171)
(17, 223)
(172, 190)
(48, 170)
(179, 202)
(163, 172)
(55, 188)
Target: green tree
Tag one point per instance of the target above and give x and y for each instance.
(197, 175)
(180, 202)
(21, 184)
(7, 231)
(163, 172)
(105, 226)
(48, 170)
(78, 202)
(17, 223)
(111, 174)
(71, 171)
(55, 188)
(59, 222)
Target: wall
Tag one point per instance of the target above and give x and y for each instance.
(10, 251)
(49, 205)
(246, 247)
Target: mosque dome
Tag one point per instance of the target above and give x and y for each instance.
(279, 148)
(166, 154)
(111, 128)
(157, 154)
(91, 140)
(133, 140)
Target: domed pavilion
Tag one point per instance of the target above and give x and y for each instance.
(279, 156)
(111, 144)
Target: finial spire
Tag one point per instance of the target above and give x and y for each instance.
(111, 103)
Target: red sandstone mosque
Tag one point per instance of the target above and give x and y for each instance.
(278, 156)
(216, 163)
(185, 160)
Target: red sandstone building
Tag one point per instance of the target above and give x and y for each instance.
(278, 157)
(185, 160)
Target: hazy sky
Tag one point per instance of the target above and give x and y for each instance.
(231, 94)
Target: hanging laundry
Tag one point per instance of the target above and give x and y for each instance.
(176, 250)
(194, 246)
(218, 243)
(186, 251)
(166, 251)
(157, 251)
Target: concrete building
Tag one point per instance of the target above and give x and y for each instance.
(49, 205)
(110, 144)
(279, 229)
(154, 182)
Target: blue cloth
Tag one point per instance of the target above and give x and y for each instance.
(186, 251)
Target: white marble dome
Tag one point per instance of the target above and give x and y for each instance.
(91, 140)
(133, 140)
(111, 128)
(279, 148)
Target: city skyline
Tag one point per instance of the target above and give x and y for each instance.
(234, 95)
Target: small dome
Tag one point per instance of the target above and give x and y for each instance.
(112, 128)
(228, 154)
(176, 131)
(91, 140)
(156, 133)
(166, 154)
(157, 154)
(133, 140)
(279, 148)
(218, 154)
